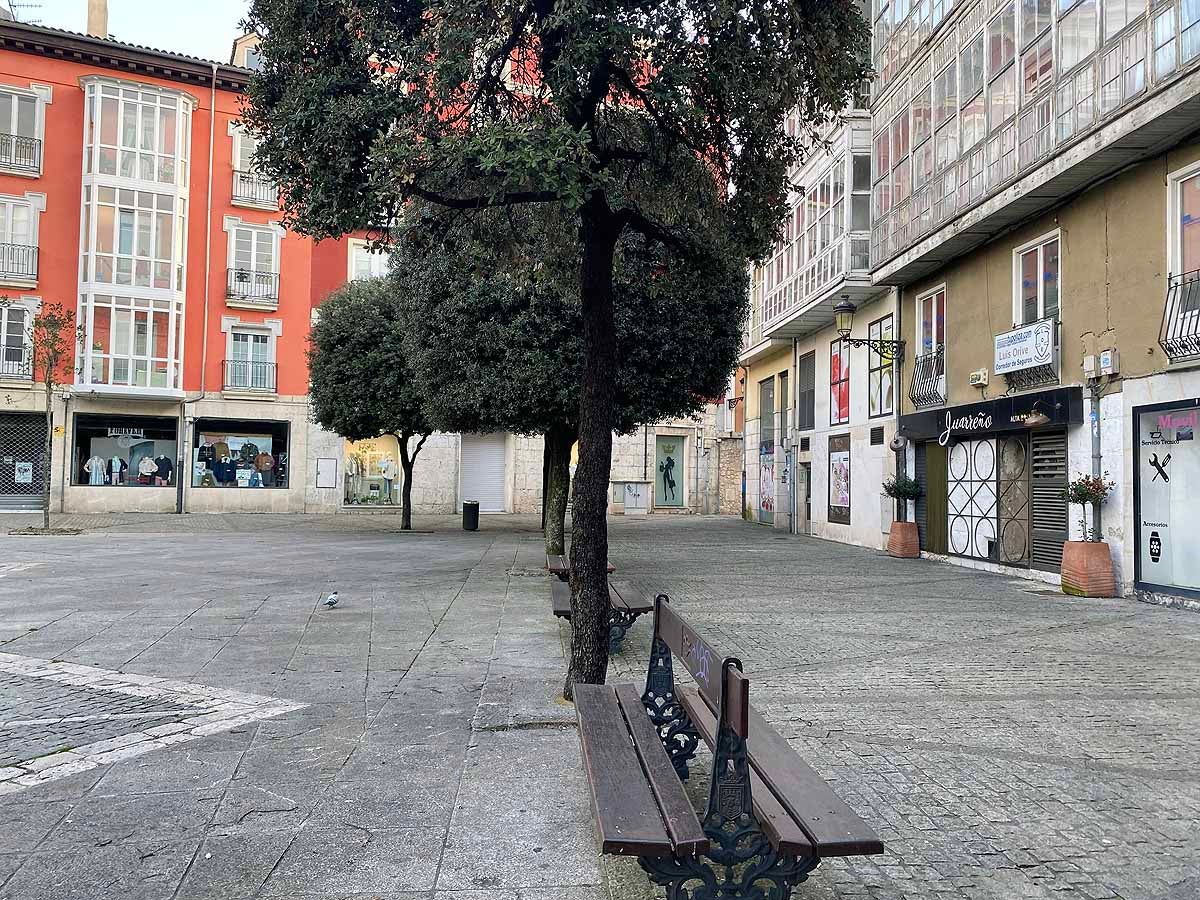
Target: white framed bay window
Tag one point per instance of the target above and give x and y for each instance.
(366, 262)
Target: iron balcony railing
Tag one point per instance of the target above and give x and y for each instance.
(16, 362)
(249, 375)
(250, 187)
(19, 261)
(928, 387)
(247, 284)
(20, 153)
(1180, 332)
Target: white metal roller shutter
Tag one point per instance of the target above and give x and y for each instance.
(483, 470)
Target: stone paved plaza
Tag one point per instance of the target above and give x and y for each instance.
(180, 718)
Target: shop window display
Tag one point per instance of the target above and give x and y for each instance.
(372, 471)
(228, 454)
(125, 451)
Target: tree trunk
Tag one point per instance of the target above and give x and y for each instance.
(47, 462)
(546, 454)
(558, 441)
(407, 461)
(589, 533)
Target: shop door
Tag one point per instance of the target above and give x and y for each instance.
(1013, 501)
(766, 451)
(805, 493)
(971, 499)
(22, 449)
(931, 505)
(668, 468)
(1048, 455)
(483, 470)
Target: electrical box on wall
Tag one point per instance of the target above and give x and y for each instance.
(1091, 369)
(978, 378)
(1110, 362)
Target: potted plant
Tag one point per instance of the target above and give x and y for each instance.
(1087, 568)
(904, 542)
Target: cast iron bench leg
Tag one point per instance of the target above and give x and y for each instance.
(740, 863)
(619, 622)
(678, 734)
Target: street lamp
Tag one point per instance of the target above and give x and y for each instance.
(843, 317)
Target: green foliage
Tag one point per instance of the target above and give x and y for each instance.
(901, 487)
(362, 106)
(495, 334)
(362, 385)
(1088, 489)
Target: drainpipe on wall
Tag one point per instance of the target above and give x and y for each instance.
(183, 470)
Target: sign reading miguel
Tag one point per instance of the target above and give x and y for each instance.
(1168, 480)
(1026, 347)
(1059, 407)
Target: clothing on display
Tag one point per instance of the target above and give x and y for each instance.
(164, 468)
(116, 470)
(238, 459)
(147, 470)
(96, 471)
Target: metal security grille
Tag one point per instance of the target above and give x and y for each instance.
(922, 504)
(971, 498)
(1048, 453)
(22, 452)
(1013, 506)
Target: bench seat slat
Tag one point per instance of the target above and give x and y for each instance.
(626, 812)
(682, 823)
(632, 599)
(778, 825)
(560, 597)
(561, 565)
(829, 820)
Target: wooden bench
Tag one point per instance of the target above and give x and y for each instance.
(561, 567)
(770, 818)
(625, 604)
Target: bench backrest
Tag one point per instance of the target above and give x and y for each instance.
(719, 678)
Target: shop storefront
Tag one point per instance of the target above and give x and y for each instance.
(243, 455)
(993, 475)
(1166, 483)
(117, 451)
(371, 472)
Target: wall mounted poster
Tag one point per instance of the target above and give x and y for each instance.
(1168, 481)
(839, 479)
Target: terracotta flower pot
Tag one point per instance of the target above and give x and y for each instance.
(1087, 569)
(904, 542)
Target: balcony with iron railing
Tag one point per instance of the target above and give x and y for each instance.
(18, 262)
(253, 189)
(253, 287)
(1044, 373)
(1179, 335)
(16, 363)
(249, 375)
(20, 154)
(928, 386)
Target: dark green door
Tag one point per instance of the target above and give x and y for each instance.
(935, 498)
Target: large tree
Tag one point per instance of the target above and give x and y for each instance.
(364, 105)
(495, 329)
(361, 383)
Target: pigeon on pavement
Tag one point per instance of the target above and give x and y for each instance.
(331, 600)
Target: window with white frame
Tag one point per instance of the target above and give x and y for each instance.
(137, 132)
(20, 130)
(1035, 19)
(1189, 30)
(1165, 54)
(254, 262)
(1036, 269)
(1119, 13)
(1077, 33)
(1185, 228)
(249, 185)
(251, 363)
(18, 239)
(15, 333)
(931, 321)
(880, 392)
(365, 262)
(133, 237)
(132, 341)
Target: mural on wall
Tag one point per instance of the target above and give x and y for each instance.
(668, 458)
(766, 483)
(839, 479)
(1168, 473)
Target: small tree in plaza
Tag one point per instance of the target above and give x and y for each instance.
(362, 385)
(362, 107)
(495, 330)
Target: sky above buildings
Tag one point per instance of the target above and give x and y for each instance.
(204, 28)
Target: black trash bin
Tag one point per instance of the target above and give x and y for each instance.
(470, 515)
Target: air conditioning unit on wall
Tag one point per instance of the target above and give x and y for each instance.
(978, 378)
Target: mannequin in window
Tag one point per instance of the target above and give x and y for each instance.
(96, 472)
(206, 454)
(116, 470)
(387, 469)
(264, 464)
(147, 470)
(164, 469)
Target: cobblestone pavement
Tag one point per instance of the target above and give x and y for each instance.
(1005, 740)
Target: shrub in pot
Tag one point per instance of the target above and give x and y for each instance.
(904, 541)
(1087, 568)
